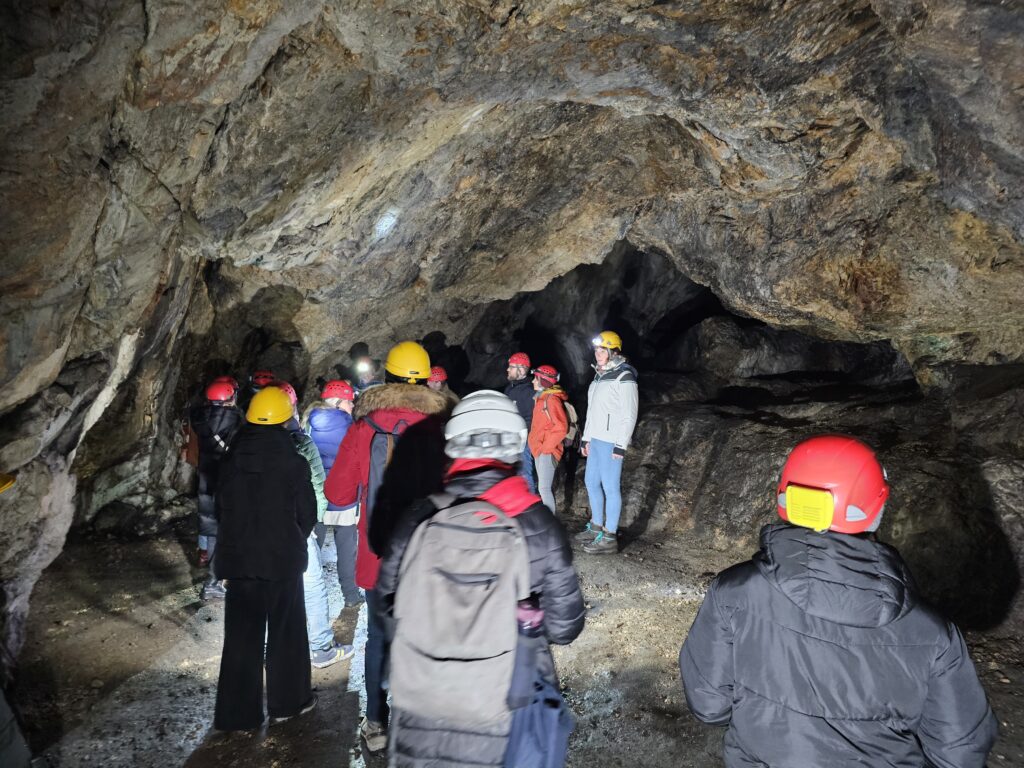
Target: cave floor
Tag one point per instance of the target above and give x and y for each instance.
(121, 661)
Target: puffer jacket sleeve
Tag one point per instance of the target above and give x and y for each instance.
(310, 453)
(627, 399)
(957, 726)
(561, 597)
(706, 663)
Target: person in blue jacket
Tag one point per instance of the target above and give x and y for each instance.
(326, 422)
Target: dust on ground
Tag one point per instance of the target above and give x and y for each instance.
(121, 661)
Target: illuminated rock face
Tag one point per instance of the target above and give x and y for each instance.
(225, 183)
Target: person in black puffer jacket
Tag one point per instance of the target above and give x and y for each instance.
(486, 474)
(266, 508)
(819, 652)
(215, 424)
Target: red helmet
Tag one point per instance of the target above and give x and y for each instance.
(437, 373)
(520, 358)
(289, 390)
(227, 380)
(834, 483)
(219, 392)
(547, 373)
(339, 389)
(262, 378)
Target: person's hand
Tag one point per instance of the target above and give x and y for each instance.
(585, 449)
(617, 456)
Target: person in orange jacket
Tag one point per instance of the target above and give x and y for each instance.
(548, 429)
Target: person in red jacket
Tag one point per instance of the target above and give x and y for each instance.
(549, 426)
(391, 456)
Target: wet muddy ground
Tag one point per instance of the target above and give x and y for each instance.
(121, 662)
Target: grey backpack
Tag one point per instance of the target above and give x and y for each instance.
(462, 575)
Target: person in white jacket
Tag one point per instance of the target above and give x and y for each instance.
(611, 417)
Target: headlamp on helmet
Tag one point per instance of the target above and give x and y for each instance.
(833, 483)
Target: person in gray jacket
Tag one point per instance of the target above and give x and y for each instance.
(818, 651)
(611, 417)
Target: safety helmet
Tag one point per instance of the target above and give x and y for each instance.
(608, 340)
(289, 390)
(269, 406)
(220, 392)
(546, 373)
(338, 388)
(227, 380)
(520, 358)
(262, 378)
(408, 360)
(834, 483)
(437, 373)
(485, 425)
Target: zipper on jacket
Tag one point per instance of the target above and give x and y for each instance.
(608, 423)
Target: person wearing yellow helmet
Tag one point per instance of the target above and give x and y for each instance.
(611, 417)
(266, 507)
(392, 455)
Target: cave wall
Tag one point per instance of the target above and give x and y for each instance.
(185, 186)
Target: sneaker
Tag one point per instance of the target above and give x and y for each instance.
(213, 590)
(324, 657)
(605, 544)
(309, 706)
(374, 734)
(589, 533)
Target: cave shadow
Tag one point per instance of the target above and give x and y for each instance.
(451, 357)
(976, 588)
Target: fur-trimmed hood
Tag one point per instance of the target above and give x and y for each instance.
(413, 397)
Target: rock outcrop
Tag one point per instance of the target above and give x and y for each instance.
(242, 181)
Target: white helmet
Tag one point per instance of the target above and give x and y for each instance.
(485, 425)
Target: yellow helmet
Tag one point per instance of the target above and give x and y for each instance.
(269, 406)
(408, 360)
(608, 340)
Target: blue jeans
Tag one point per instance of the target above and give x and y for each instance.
(318, 612)
(375, 659)
(603, 474)
(526, 469)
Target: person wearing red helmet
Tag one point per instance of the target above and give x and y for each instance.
(819, 650)
(258, 379)
(548, 429)
(326, 421)
(520, 391)
(214, 424)
(438, 382)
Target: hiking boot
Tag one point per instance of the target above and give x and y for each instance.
(374, 734)
(309, 706)
(213, 590)
(589, 533)
(605, 544)
(324, 657)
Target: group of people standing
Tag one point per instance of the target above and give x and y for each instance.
(816, 652)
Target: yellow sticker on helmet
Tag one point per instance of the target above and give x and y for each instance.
(809, 507)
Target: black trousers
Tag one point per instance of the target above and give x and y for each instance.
(252, 608)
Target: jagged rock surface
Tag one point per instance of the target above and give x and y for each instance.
(251, 181)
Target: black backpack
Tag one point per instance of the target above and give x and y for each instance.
(382, 448)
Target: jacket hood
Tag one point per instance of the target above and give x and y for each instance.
(555, 391)
(492, 481)
(615, 363)
(320, 417)
(406, 397)
(850, 580)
